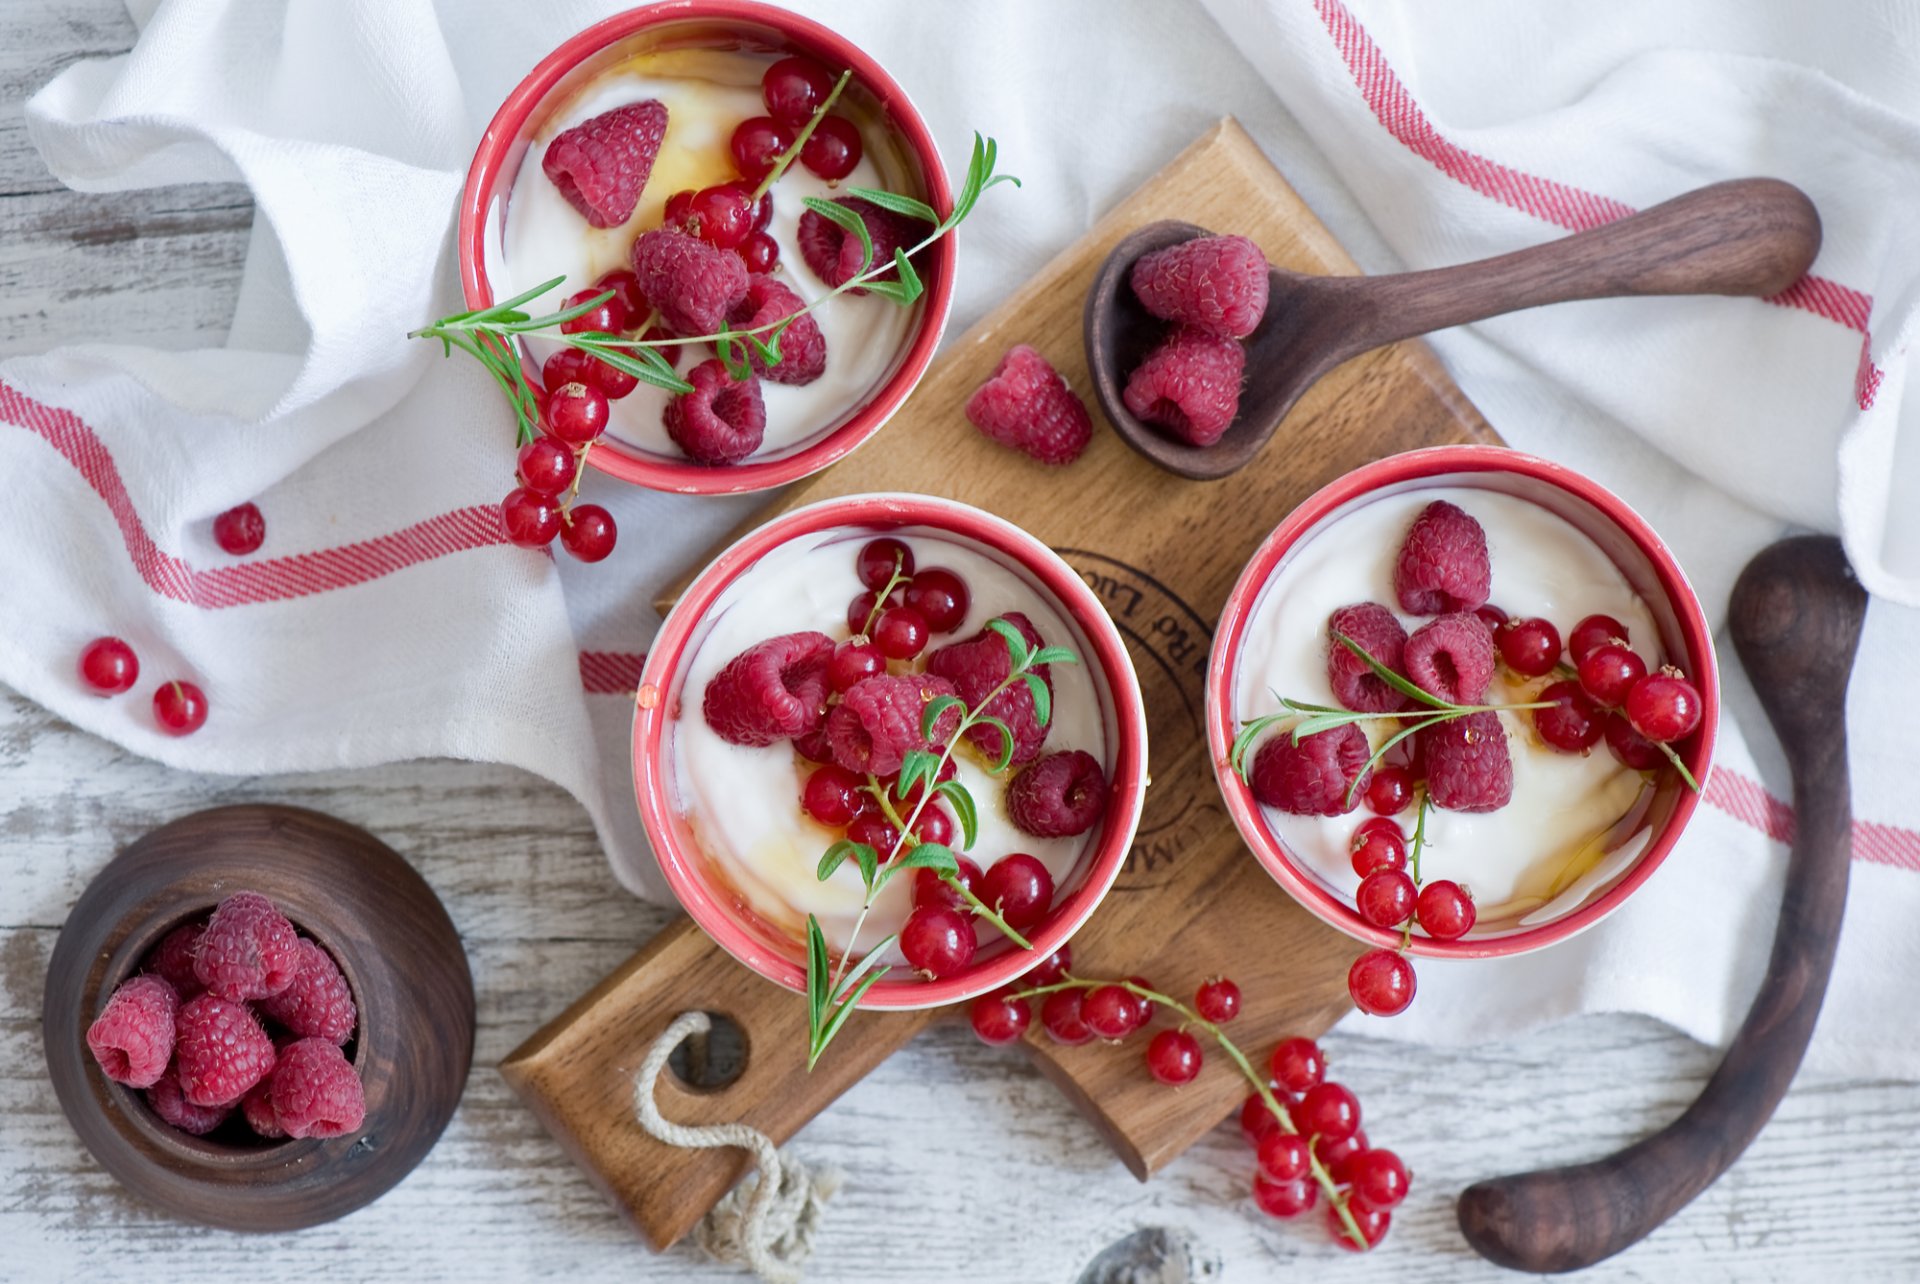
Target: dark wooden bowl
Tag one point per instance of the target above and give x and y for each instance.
(394, 942)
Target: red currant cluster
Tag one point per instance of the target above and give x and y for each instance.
(1381, 981)
(1607, 691)
(109, 666)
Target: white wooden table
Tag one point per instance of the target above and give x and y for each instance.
(962, 1162)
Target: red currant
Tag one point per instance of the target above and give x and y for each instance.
(941, 597)
(1110, 1012)
(1385, 898)
(900, 633)
(679, 209)
(763, 212)
(1217, 1000)
(1378, 845)
(834, 149)
(929, 888)
(997, 1019)
(1530, 647)
(1019, 889)
(240, 530)
(109, 666)
(860, 610)
(937, 941)
(1298, 1064)
(1663, 707)
(1572, 724)
(1174, 1057)
(854, 662)
(1391, 791)
(626, 292)
(1285, 1198)
(1492, 616)
(1378, 1178)
(1060, 1014)
(1591, 632)
(879, 560)
(721, 216)
(1607, 671)
(577, 413)
(532, 519)
(588, 532)
(1052, 968)
(180, 708)
(757, 144)
(834, 796)
(609, 317)
(794, 88)
(1373, 1224)
(546, 466)
(873, 829)
(933, 825)
(759, 252)
(1283, 1156)
(1337, 1156)
(1329, 1111)
(1256, 1121)
(1629, 747)
(1141, 1001)
(571, 365)
(1381, 983)
(1446, 910)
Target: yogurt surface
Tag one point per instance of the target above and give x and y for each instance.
(1539, 845)
(706, 93)
(743, 803)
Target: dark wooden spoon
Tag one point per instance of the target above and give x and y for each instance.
(1795, 617)
(1753, 236)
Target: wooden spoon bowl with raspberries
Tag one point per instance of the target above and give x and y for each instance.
(1177, 313)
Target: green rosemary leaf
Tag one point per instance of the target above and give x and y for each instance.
(1042, 697)
(897, 203)
(825, 1033)
(849, 220)
(916, 766)
(908, 277)
(643, 364)
(552, 319)
(867, 963)
(836, 855)
(1016, 641)
(891, 291)
(818, 974)
(930, 720)
(1389, 677)
(963, 806)
(1301, 706)
(924, 856)
(1326, 722)
(1249, 732)
(1006, 741)
(1052, 655)
(726, 346)
(769, 353)
(869, 861)
(1353, 789)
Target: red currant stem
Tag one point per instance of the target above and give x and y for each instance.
(980, 907)
(1678, 766)
(1413, 861)
(579, 475)
(800, 139)
(880, 599)
(1239, 1058)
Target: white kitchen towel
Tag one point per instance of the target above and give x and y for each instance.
(385, 618)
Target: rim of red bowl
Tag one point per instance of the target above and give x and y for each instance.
(653, 715)
(656, 472)
(1696, 636)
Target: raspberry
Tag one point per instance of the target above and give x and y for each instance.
(982, 663)
(132, 1038)
(1443, 565)
(878, 721)
(1028, 406)
(317, 1002)
(172, 960)
(1375, 630)
(1213, 283)
(803, 349)
(315, 1092)
(1061, 795)
(834, 253)
(694, 285)
(257, 1107)
(771, 691)
(721, 421)
(1189, 385)
(1451, 657)
(221, 1052)
(1468, 768)
(173, 1107)
(601, 165)
(248, 950)
(1315, 777)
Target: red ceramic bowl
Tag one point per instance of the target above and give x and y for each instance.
(1621, 534)
(722, 24)
(776, 953)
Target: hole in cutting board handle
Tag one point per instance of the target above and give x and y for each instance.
(712, 1061)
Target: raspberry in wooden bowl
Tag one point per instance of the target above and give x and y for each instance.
(1457, 703)
(789, 696)
(636, 158)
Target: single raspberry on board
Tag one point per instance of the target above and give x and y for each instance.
(248, 951)
(1443, 564)
(878, 721)
(1189, 385)
(601, 165)
(315, 1092)
(172, 959)
(173, 1107)
(771, 691)
(1059, 796)
(834, 253)
(803, 349)
(1451, 657)
(1468, 766)
(132, 1038)
(1315, 777)
(318, 1001)
(1028, 406)
(981, 663)
(1373, 628)
(257, 1108)
(694, 285)
(220, 1052)
(1215, 283)
(722, 421)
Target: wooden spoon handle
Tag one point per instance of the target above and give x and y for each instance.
(1795, 620)
(1751, 236)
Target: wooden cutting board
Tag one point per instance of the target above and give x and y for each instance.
(1162, 553)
